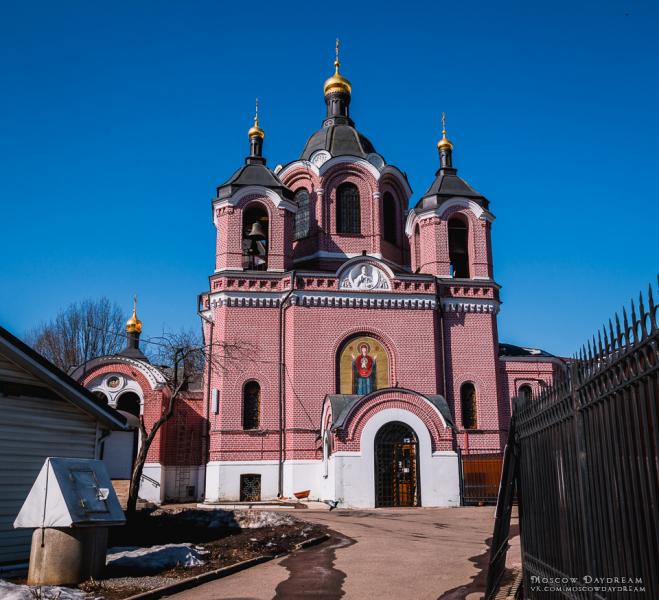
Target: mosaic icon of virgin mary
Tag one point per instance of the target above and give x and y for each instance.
(363, 371)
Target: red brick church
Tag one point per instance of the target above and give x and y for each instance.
(371, 323)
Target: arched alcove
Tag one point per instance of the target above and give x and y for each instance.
(363, 366)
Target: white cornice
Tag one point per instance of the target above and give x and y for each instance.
(459, 201)
(326, 299)
(257, 190)
(348, 159)
(471, 305)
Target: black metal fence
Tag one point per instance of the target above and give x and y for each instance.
(584, 456)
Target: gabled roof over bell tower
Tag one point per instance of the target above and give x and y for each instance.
(254, 172)
(447, 184)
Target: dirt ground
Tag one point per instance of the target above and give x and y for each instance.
(229, 537)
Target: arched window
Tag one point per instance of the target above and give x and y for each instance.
(457, 247)
(302, 214)
(255, 238)
(525, 391)
(468, 405)
(130, 403)
(417, 247)
(389, 218)
(251, 405)
(348, 216)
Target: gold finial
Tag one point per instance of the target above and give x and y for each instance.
(255, 130)
(337, 82)
(134, 325)
(444, 143)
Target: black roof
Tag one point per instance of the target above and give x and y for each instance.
(54, 378)
(512, 350)
(447, 185)
(254, 172)
(338, 140)
(342, 405)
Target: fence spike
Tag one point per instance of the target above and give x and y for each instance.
(600, 350)
(618, 332)
(607, 350)
(641, 315)
(625, 323)
(613, 341)
(650, 299)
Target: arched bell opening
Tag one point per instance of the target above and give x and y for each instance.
(458, 241)
(255, 238)
(397, 466)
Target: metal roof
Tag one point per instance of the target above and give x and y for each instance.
(57, 380)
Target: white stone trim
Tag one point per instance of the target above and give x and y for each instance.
(153, 375)
(470, 305)
(338, 299)
(459, 201)
(348, 159)
(258, 190)
(339, 255)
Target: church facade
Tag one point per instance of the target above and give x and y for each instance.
(369, 328)
(353, 335)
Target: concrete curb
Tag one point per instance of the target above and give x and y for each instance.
(190, 582)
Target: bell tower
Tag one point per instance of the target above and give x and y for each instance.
(449, 229)
(254, 214)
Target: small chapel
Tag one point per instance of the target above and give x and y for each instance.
(370, 319)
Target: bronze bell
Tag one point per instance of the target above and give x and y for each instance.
(256, 233)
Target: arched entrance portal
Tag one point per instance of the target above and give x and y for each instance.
(396, 466)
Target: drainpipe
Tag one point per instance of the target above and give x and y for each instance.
(282, 387)
(206, 435)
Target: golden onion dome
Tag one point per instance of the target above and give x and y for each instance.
(134, 325)
(255, 130)
(337, 82)
(444, 142)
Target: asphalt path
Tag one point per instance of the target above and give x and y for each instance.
(401, 554)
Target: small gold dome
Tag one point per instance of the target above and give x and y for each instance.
(337, 82)
(255, 130)
(134, 325)
(444, 143)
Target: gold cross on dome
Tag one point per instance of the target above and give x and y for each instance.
(444, 123)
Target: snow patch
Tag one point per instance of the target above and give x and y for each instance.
(231, 519)
(155, 558)
(11, 591)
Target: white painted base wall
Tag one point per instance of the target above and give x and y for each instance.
(178, 478)
(149, 491)
(350, 475)
(223, 478)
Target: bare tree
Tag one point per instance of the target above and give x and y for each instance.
(80, 332)
(182, 359)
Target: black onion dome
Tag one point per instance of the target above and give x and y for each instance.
(338, 140)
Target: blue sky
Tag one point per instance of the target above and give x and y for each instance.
(117, 121)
